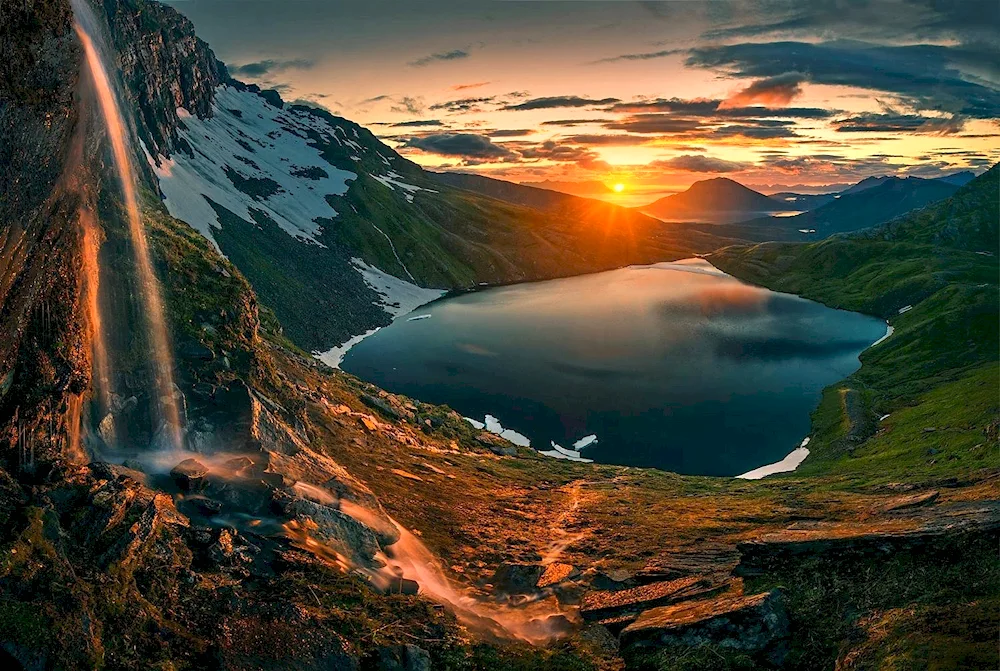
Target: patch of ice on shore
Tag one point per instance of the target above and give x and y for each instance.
(334, 356)
(586, 441)
(557, 454)
(418, 318)
(515, 437)
(398, 297)
(493, 425)
(888, 332)
(789, 463)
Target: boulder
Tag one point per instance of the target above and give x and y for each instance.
(194, 351)
(343, 533)
(907, 502)
(756, 624)
(403, 658)
(189, 474)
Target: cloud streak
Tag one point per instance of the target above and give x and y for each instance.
(266, 67)
(453, 55)
(557, 102)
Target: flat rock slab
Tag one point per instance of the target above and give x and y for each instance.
(752, 624)
(923, 529)
(710, 560)
(556, 573)
(907, 502)
(607, 604)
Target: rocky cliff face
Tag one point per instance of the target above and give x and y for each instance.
(164, 66)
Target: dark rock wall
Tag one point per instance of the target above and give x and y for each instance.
(164, 66)
(43, 359)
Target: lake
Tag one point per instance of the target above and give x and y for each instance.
(676, 366)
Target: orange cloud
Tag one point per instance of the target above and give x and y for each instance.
(779, 90)
(463, 87)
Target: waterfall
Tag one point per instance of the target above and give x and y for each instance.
(156, 327)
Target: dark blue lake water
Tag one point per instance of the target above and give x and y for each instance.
(675, 366)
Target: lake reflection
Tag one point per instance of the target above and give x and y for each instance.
(676, 365)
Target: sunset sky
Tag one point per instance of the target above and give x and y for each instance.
(651, 95)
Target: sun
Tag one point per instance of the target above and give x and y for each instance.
(618, 187)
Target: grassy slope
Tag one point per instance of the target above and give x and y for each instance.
(946, 345)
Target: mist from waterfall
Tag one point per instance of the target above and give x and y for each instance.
(158, 338)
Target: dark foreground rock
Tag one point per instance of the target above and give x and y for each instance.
(403, 658)
(756, 624)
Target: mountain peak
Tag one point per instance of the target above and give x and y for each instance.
(718, 199)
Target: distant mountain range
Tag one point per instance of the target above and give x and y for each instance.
(729, 209)
(879, 200)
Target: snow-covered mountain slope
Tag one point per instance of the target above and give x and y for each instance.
(250, 154)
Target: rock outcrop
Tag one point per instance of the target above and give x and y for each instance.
(164, 66)
(755, 624)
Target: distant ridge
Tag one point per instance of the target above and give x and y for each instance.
(586, 189)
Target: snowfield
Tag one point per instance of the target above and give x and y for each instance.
(253, 140)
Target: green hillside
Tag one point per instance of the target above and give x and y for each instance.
(936, 375)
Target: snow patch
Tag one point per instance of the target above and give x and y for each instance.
(418, 318)
(905, 308)
(586, 441)
(394, 183)
(888, 332)
(492, 424)
(399, 297)
(789, 463)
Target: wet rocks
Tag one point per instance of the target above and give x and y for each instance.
(344, 533)
(189, 474)
(512, 578)
(756, 624)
